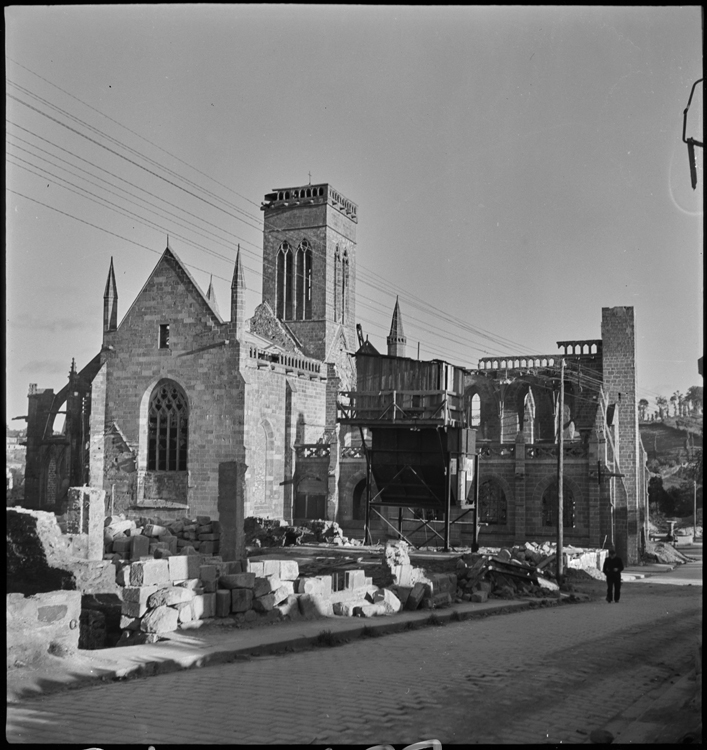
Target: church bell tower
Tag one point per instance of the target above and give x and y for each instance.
(309, 264)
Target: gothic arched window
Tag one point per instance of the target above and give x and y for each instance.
(167, 429)
(550, 506)
(337, 285)
(285, 282)
(344, 286)
(475, 411)
(303, 300)
(492, 503)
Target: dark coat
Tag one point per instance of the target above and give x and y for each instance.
(613, 567)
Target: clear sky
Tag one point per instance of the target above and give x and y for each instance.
(516, 169)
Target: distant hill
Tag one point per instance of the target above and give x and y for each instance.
(667, 442)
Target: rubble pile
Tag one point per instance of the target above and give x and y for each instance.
(664, 552)
(132, 539)
(269, 532)
(181, 591)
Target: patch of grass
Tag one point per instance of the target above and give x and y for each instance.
(369, 632)
(327, 638)
(457, 616)
(435, 620)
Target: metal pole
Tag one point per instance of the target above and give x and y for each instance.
(560, 471)
(694, 508)
(448, 493)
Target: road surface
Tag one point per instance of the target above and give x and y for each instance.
(547, 675)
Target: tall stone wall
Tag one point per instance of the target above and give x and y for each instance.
(619, 366)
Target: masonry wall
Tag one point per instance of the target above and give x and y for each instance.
(202, 363)
(619, 366)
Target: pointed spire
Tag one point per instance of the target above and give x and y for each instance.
(110, 302)
(211, 296)
(238, 281)
(396, 339)
(238, 296)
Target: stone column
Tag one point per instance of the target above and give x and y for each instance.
(519, 491)
(231, 498)
(85, 515)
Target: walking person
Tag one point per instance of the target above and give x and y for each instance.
(613, 565)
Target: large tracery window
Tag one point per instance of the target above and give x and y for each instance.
(168, 429)
(294, 282)
(492, 503)
(550, 506)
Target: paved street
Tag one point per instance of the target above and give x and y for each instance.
(545, 675)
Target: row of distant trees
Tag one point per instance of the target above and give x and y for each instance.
(678, 405)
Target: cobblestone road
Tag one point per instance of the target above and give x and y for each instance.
(545, 675)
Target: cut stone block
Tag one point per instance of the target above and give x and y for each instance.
(285, 589)
(355, 579)
(182, 567)
(402, 592)
(232, 567)
(139, 546)
(347, 609)
(208, 537)
(402, 574)
(171, 542)
(417, 594)
(442, 582)
(312, 606)
(154, 530)
(202, 520)
(148, 572)
(209, 573)
(319, 585)
(241, 600)
(209, 587)
(204, 606)
(162, 554)
(271, 567)
(189, 550)
(237, 581)
(388, 599)
(264, 586)
(256, 567)
(289, 570)
(207, 548)
(442, 599)
(133, 609)
(170, 596)
(264, 603)
(478, 596)
(121, 546)
(186, 614)
(139, 593)
(160, 620)
(223, 602)
(371, 610)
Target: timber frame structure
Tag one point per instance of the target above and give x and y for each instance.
(420, 452)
